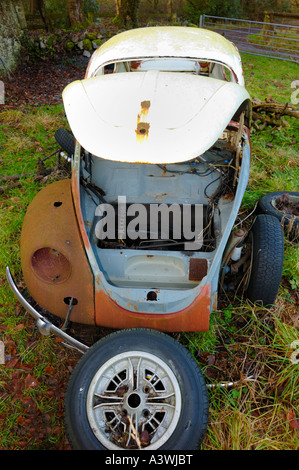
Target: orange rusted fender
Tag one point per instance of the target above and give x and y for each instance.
(53, 259)
(193, 318)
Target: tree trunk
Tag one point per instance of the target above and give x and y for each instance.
(41, 9)
(75, 12)
(169, 8)
(12, 23)
(133, 11)
(126, 8)
(33, 7)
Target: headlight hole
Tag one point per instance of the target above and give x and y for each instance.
(50, 265)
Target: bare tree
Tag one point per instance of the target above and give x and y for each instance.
(75, 11)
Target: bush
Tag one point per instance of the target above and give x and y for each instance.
(255, 9)
(225, 8)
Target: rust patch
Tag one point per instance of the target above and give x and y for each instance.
(143, 126)
(142, 129)
(145, 105)
(215, 301)
(53, 259)
(198, 269)
(193, 318)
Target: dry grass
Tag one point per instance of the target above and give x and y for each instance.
(258, 429)
(30, 121)
(258, 413)
(16, 143)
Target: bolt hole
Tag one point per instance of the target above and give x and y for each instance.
(57, 203)
(151, 295)
(146, 413)
(67, 300)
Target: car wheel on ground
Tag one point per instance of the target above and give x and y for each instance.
(136, 389)
(267, 254)
(284, 205)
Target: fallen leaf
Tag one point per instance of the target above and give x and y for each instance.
(22, 444)
(20, 420)
(291, 417)
(49, 370)
(12, 363)
(19, 327)
(144, 438)
(211, 359)
(31, 382)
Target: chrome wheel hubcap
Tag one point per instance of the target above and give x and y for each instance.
(133, 402)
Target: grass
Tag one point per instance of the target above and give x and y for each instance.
(36, 369)
(260, 413)
(274, 165)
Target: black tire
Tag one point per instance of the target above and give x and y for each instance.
(185, 411)
(267, 205)
(66, 140)
(267, 260)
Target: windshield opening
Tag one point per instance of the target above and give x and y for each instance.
(179, 65)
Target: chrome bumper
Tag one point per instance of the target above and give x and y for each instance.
(45, 326)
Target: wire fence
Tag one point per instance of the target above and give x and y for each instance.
(279, 41)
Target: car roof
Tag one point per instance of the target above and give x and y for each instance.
(168, 41)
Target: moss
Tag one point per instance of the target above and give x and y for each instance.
(117, 21)
(77, 27)
(51, 40)
(69, 46)
(90, 36)
(87, 44)
(98, 42)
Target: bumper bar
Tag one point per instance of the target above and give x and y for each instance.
(45, 326)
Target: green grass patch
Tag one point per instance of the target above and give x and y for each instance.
(265, 77)
(274, 162)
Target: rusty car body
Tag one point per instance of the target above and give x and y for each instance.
(187, 132)
(162, 117)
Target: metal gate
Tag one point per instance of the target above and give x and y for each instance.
(279, 41)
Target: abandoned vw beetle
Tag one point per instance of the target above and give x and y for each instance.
(142, 235)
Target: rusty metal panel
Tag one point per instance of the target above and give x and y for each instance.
(196, 317)
(198, 269)
(53, 258)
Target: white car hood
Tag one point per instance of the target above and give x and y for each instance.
(150, 117)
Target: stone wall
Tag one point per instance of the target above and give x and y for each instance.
(12, 24)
